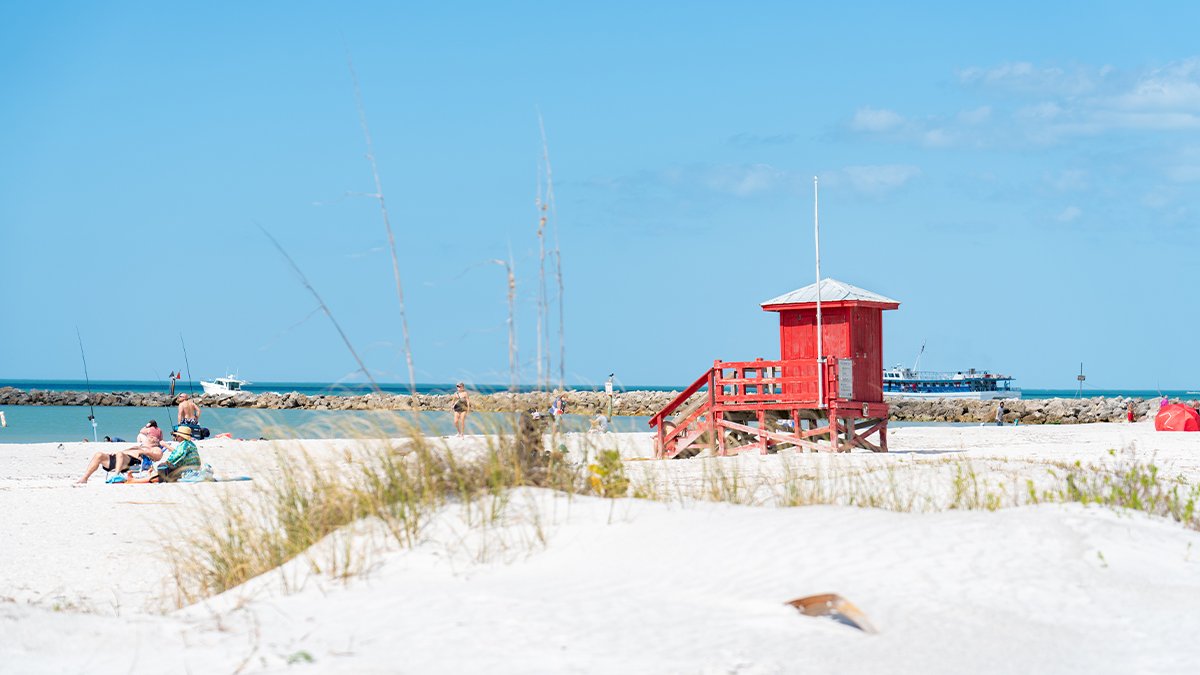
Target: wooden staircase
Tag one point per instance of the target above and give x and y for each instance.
(740, 406)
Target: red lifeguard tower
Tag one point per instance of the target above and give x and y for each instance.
(824, 393)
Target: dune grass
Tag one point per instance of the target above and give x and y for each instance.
(1123, 482)
(397, 484)
(400, 486)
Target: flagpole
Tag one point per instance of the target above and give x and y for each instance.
(820, 347)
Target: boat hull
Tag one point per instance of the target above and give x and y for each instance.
(942, 395)
(218, 388)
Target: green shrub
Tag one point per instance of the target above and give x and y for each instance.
(607, 476)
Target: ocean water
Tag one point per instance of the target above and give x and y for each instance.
(357, 389)
(46, 424)
(57, 424)
(306, 388)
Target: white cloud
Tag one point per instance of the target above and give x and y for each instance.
(1157, 198)
(1069, 214)
(1023, 76)
(1173, 87)
(976, 116)
(1059, 103)
(747, 139)
(1151, 121)
(1069, 180)
(1040, 111)
(746, 180)
(874, 120)
(874, 179)
(938, 138)
(1184, 173)
(1097, 100)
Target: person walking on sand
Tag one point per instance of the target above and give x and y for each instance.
(462, 406)
(189, 412)
(1130, 412)
(1000, 414)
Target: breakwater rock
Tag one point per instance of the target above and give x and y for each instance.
(627, 403)
(1027, 411)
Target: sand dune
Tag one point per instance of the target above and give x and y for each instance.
(581, 584)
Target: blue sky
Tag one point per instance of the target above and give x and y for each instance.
(1021, 176)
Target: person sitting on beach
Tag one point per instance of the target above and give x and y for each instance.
(111, 461)
(599, 424)
(115, 462)
(149, 445)
(185, 455)
(189, 412)
(150, 435)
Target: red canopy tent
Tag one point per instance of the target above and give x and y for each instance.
(1177, 417)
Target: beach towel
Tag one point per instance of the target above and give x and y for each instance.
(193, 474)
(196, 475)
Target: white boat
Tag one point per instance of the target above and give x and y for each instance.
(230, 384)
(905, 383)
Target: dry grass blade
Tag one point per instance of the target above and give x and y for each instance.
(387, 223)
(543, 337)
(325, 308)
(558, 273)
(513, 365)
(397, 486)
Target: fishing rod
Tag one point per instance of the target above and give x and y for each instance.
(189, 366)
(88, 380)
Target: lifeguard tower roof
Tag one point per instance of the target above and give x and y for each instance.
(832, 291)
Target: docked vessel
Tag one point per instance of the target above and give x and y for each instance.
(905, 383)
(230, 384)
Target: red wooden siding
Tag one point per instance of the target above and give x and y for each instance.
(849, 331)
(868, 353)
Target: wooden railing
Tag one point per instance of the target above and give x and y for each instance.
(671, 407)
(792, 381)
(748, 384)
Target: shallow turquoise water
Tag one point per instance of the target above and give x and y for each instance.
(46, 424)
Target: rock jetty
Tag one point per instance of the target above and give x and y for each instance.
(627, 403)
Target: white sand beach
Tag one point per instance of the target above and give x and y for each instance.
(587, 584)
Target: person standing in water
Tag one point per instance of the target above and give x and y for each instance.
(462, 406)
